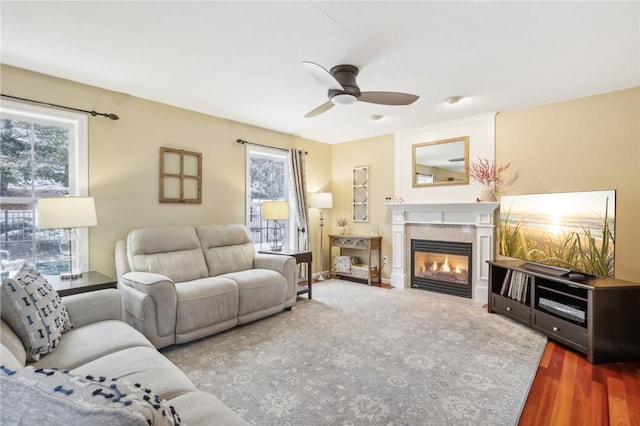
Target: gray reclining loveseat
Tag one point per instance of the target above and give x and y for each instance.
(181, 283)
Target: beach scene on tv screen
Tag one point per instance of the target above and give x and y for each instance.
(570, 230)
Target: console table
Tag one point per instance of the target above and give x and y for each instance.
(300, 257)
(359, 242)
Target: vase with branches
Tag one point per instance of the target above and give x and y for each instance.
(489, 174)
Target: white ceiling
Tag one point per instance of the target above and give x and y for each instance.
(242, 60)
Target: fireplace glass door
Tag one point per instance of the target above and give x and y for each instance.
(441, 266)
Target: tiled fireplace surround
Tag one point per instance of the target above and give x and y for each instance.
(462, 222)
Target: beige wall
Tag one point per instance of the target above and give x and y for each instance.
(590, 143)
(378, 154)
(124, 159)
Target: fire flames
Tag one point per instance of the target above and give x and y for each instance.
(445, 266)
(444, 270)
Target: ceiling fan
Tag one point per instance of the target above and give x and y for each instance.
(343, 89)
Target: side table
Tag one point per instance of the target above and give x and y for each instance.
(363, 243)
(89, 281)
(300, 257)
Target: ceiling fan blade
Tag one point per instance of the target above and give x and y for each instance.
(388, 98)
(322, 75)
(319, 110)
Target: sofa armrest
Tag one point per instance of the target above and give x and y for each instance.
(122, 262)
(93, 306)
(154, 300)
(286, 265)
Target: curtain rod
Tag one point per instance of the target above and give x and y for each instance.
(243, 142)
(93, 113)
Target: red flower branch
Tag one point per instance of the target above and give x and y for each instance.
(487, 173)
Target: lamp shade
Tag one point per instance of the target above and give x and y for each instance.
(321, 200)
(66, 212)
(275, 210)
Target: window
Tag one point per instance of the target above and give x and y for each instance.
(43, 153)
(267, 180)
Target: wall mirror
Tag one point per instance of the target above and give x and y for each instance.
(444, 162)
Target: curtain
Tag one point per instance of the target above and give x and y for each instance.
(299, 195)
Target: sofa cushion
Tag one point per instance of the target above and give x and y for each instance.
(205, 302)
(85, 344)
(12, 351)
(172, 251)
(34, 310)
(65, 399)
(259, 289)
(141, 365)
(227, 248)
(8, 358)
(93, 306)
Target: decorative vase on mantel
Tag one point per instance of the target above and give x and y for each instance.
(487, 193)
(342, 230)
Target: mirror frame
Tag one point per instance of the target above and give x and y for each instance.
(414, 175)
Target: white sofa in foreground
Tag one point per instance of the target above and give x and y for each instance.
(90, 376)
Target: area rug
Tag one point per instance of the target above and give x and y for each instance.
(360, 355)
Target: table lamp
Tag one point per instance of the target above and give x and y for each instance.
(68, 213)
(276, 211)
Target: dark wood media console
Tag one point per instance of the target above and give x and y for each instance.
(599, 317)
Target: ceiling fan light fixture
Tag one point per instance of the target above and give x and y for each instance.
(344, 90)
(344, 99)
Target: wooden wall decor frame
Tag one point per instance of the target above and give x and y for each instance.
(180, 176)
(360, 194)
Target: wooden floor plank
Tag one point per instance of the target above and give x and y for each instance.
(563, 404)
(546, 356)
(549, 392)
(599, 414)
(581, 404)
(556, 363)
(618, 410)
(631, 378)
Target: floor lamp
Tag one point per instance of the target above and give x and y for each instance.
(321, 200)
(68, 213)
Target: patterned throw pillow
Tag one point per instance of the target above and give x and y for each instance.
(56, 397)
(34, 310)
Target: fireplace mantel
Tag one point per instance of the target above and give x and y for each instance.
(480, 216)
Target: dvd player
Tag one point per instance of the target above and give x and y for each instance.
(564, 311)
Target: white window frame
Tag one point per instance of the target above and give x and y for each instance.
(78, 150)
(280, 154)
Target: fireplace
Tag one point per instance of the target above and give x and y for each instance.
(442, 266)
(457, 222)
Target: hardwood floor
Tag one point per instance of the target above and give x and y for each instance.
(567, 390)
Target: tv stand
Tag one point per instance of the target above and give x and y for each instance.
(597, 317)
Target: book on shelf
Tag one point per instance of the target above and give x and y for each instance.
(506, 282)
(518, 286)
(513, 287)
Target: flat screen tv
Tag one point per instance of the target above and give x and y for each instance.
(573, 232)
